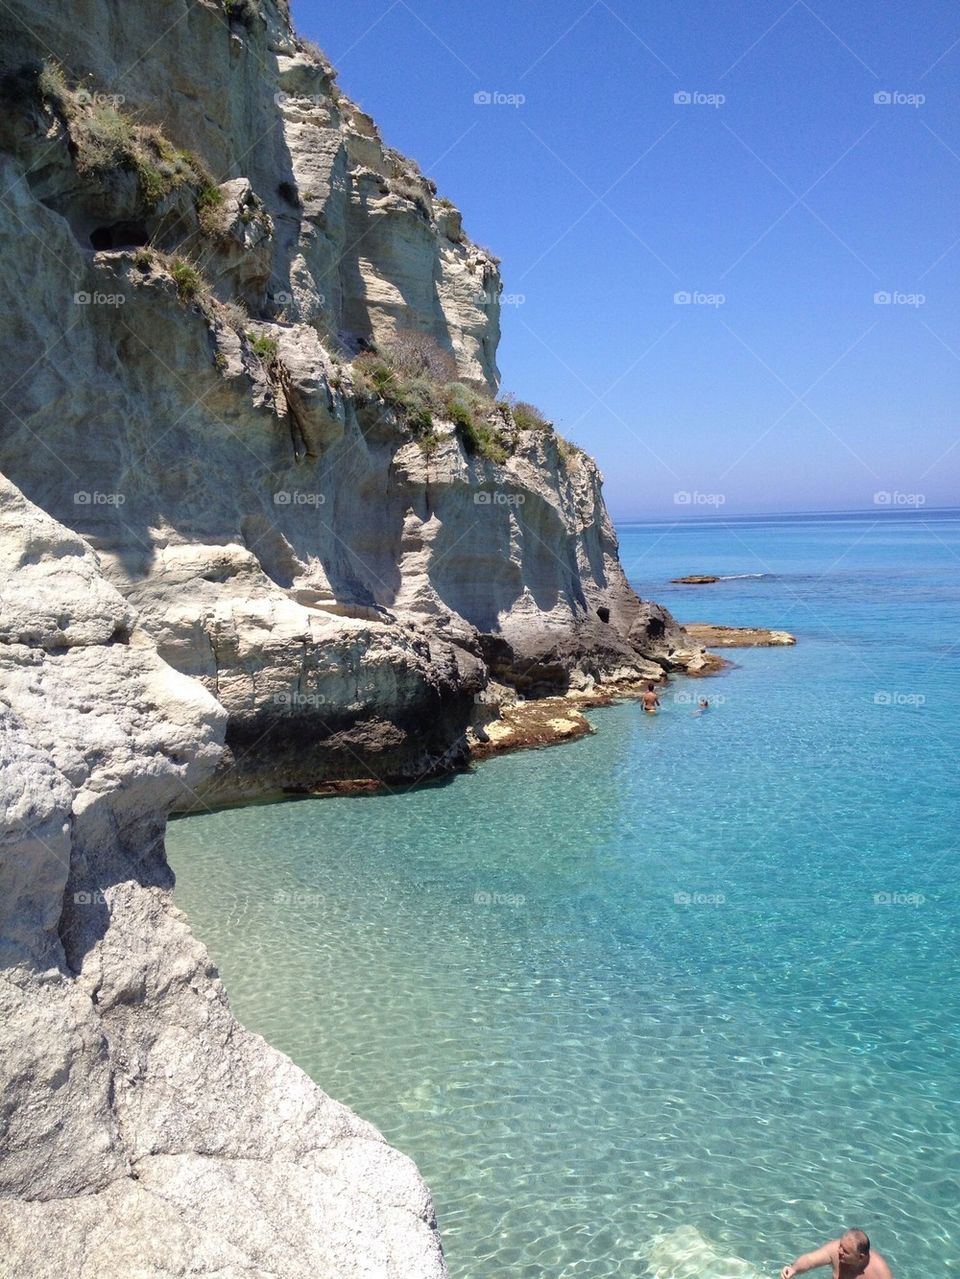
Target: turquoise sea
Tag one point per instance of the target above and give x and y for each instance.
(679, 993)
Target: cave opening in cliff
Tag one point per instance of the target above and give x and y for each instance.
(119, 235)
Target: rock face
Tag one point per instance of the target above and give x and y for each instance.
(343, 593)
(144, 1131)
(359, 241)
(231, 569)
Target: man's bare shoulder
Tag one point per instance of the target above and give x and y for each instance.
(878, 1268)
(828, 1254)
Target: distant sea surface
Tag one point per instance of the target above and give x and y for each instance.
(680, 993)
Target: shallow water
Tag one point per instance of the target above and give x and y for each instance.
(675, 994)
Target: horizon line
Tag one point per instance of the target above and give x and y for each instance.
(879, 512)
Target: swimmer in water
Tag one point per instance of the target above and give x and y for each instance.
(849, 1257)
(702, 707)
(650, 700)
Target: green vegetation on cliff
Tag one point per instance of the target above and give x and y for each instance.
(105, 140)
(418, 380)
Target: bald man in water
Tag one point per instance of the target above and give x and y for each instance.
(849, 1256)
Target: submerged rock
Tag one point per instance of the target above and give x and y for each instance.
(685, 1254)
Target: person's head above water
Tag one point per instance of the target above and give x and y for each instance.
(704, 703)
(855, 1250)
(649, 688)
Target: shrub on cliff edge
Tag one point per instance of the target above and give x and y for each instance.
(418, 355)
(528, 417)
(411, 373)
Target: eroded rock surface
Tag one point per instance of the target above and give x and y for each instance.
(343, 594)
(144, 1131)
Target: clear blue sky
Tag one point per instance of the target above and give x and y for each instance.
(798, 199)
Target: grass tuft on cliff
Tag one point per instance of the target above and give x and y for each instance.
(210, 208)
(265, 348)
(105, 140)
(418, 355)
(190, 283)
(568, 450)
(527, 417)
(310, 49)
(52, 86)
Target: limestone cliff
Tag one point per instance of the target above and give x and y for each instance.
(246, 549)
(143, 1131)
